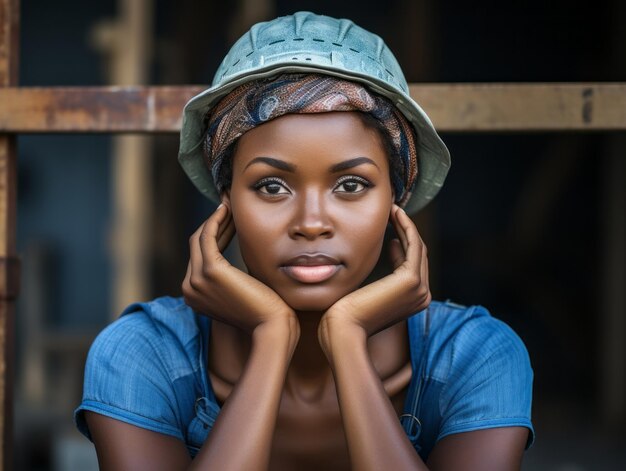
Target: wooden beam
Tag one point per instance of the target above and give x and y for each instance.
(524, 107)
(9, 275)
(452, 107)
(128, 54)
(93, 109)
(9, 37)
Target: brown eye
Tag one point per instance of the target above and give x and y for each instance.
(271, 186)
(352, 184)
(351, 187)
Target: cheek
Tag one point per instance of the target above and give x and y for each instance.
(366, 232)
(256, 233)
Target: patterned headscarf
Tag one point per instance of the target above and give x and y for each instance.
(257, 102)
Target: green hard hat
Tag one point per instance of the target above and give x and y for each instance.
(308, 43)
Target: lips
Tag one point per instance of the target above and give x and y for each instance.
(311, 268)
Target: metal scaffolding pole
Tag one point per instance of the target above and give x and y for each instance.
(9, 274)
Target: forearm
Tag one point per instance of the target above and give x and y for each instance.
(375, 437)
(241, 438)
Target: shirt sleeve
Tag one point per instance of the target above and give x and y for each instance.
(490, 380)
(127, 378)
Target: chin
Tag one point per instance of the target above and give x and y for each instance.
(311, 299)
(310, 307)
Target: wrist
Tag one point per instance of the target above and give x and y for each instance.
(337, 333)
(278, 331)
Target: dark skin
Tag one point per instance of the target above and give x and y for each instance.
(310, 366)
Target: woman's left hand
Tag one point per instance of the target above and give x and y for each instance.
(374, 434)
(389, 300)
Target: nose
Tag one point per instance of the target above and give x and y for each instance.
(311, 219)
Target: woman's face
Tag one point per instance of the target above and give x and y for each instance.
(310, 199)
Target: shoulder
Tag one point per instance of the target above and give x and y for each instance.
(141, 368)
(161, 330)
(478, 365)
(462, 337)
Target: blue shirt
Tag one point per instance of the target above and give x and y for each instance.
(149, 369)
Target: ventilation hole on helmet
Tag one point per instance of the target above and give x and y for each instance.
(276, 42)
(235, 63)
(249, 54)
(354, 50)
(294, 58)
(389, 72)
(318, 40)
(298, 39)
(337, 44)
(370, 57)
(307, 59)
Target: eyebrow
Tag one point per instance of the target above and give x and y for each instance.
(282, 165)
(276, 163)
(346, 164)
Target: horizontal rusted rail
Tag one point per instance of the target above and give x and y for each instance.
(452, 107)
(524, 106)
(93, 109)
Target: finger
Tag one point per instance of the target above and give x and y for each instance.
(396, 253)
(223, 225)
(424, 265)
(397, 227)
(227, 231)
(208, 236)
(412, 242)
(424, 273)
(186, 284)
(195, 255)
(219, 215)
(198, 231)
(396, 224)
(187, 288)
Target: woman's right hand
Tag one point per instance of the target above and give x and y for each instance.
(212, 286)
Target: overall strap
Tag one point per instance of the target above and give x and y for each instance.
(418, 327)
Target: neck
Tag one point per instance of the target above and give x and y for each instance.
(309, 377)
(309, 366)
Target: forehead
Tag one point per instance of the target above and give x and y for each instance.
(319, 137)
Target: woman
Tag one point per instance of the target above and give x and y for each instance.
(310, 142)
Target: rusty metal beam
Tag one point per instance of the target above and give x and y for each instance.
(93, 109)
(9, 275)
(525, 106)
(452, 107)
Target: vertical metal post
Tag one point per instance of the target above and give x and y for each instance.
(613, 299)
(132, 211)
(9, 274)
(127, 42)
(612, 318)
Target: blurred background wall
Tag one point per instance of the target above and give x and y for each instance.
(527, 224)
